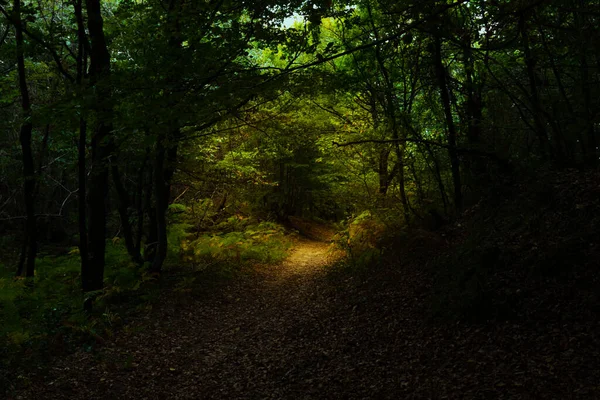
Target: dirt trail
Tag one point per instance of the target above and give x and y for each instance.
(259, 338)
(290, 331)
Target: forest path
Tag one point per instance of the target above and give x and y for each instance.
(295, 331)
(264, 336)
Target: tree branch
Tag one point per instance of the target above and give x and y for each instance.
(45, 45)
(365, 46)
(460, 150)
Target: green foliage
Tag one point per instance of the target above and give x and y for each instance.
(46, 319)
(360, 240)
(263, 242)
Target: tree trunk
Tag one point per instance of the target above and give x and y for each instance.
(140, 204)
(382, 171)
(82, 45)
(151, 240)
(536, 106)
(30, 240)
(584, 40)
(453, 154)
(563, 92)
(123, 208)
(402, 185)
(474, 109)
(101, 143)
(390, 109)
(163, 174)
(81, 194)
(166, 147)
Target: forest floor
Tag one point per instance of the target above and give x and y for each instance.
(301, 330)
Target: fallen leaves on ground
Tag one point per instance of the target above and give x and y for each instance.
(291, 332)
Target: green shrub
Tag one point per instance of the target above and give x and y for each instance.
(360, 241)
(38, 321)
(263, 242)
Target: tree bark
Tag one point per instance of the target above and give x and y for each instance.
(382, 171)
(166, 148)
(163, 174)
(151, 240)
(536, 106)
(474, 108)
(452, 152)
(101, 143)
(140, 204)
(584, 40)
(123, 208)
(30, 236)
(81, 194)
(82, 45)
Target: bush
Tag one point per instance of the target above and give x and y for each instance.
(361, 240)
(263, 242)
(47, 318)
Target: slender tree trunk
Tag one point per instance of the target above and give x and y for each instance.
(382, 171)
(584, 40)
(166, 148)
(140, 207)
(82, 45)
(402, 181)
(101, 143)
(420, 192)
(444, 91)
(390, 108)
(43, 154)
(438, 177)
(563, 92)
(160, 203)
(123, 208)
(81, 195)
(30, 240)
(474, 109)
(23, 253)
(402, 185)
(163, 174)
(151, 240)
(536, 106)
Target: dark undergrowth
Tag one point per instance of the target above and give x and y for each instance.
(529, 250)
(43, 320)
(503, 302)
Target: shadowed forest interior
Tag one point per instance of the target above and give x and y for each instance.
(299, 199)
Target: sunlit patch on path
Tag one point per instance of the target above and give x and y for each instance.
(307, 257)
